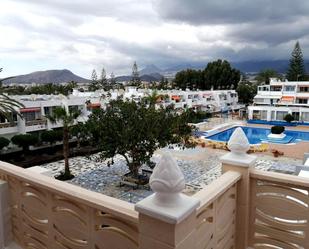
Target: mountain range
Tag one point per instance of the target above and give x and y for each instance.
(48, 76)
(148, 73)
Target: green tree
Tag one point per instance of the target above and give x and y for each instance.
(112, 80)
(94, 84)
(51, 136)
(68, 119)
(8, 106)
(103, 80)
(135, 130)
(4, 142)
(135, 79)
(246, 92)
(24, 140)
(265, 75)
(296, 69)
(288, 118)
(220, 75)
(191, 79)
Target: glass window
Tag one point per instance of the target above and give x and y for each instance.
(273, 115)
(263, 115)
(305, 116)
(289, 88)
(281, 115)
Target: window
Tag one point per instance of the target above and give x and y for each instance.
(263, 115)
(273, 115)
(302, 101)
(304, 89)
(281, 115)
(73, 108)
(295, 116)
(305, 116)
(29, 116)
(276, 88)
(256, 114)
(289, 88)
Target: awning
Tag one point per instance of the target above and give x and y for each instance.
(175, 97)
(287, 98)
(94, 105)
(32, 109)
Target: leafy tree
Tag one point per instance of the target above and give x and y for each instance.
(135, 80)
(246, 92)
(288, 118)
(265, 75)
(296, 69)
(51, 136)
(221, 75)
(135, 130)
(80, 132)
(198, 116)
(217, 75)
(24, 140)
(4, 142)
(67, 118)
(190, 78)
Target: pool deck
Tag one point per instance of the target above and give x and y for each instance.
(293, 150)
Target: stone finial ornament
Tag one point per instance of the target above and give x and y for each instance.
(238, 143)
(167, 203)
(167, 180)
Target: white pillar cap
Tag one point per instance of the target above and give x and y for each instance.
(167, 203)
(238, 145)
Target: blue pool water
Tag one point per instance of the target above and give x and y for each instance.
(257, 135)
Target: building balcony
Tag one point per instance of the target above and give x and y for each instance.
(35, 125)
(244, 208)
(7, 128)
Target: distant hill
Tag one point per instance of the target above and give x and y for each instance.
(145, 77)
(49, 76)
(150, 69)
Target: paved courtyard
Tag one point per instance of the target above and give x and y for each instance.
(200, 167)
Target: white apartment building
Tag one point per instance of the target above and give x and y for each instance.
(37, 107)
(274, 101)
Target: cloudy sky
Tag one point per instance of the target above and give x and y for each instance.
(81, 35)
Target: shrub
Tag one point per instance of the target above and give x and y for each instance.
(288, 118)
(51, 136)
(4, 142)
(24, 140)
(277, 129)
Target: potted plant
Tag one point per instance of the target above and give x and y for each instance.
(277, 132)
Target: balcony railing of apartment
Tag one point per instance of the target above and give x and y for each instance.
(8, 124)
(242, 208)
(36, 122)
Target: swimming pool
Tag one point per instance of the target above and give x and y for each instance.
(257, 135)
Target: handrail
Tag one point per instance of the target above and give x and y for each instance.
(290, 180)
(216, 188)
(95, 200)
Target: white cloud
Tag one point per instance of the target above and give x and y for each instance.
(113, 33)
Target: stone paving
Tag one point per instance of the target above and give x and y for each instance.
(200, 171)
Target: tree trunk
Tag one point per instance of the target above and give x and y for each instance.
(134, 167)
(66, 151)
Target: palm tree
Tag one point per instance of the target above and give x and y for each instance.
(8, 106)
(67, 118)
(153, 98)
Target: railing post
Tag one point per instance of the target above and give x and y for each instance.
(238, 160)
(5, 222)
(167, 219)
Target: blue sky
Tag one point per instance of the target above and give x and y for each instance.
(83, 35)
